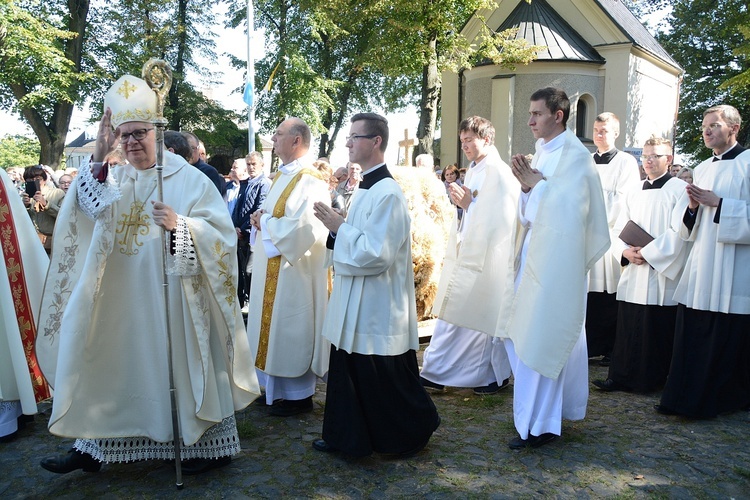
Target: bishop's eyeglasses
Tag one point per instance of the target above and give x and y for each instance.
(138, 135)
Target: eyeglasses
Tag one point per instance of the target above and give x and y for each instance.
(652, 157)
(714, 127)
(138, 135)
(354, 137)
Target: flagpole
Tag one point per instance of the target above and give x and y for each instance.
(250, 77)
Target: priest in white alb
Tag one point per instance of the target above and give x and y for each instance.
(289, 290)
(24, 264)
(560, 233)
(463, 351)
(102, 341)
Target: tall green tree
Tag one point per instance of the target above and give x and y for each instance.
(18, 151)
(42, 77)
(423, 38)
(707, 39)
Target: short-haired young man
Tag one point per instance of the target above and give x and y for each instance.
(562, 230)
(476, 271)
(374, 400)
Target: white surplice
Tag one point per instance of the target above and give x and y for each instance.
(16, 391)
(619, 177)
(475, 274)
(543, 323)
(653, 283)
(372, 261)
(102, 331)
(717, 272)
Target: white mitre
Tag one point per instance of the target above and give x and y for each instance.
(131, 100)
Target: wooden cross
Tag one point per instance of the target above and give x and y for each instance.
(407, 144)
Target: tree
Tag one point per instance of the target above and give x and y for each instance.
(42, 77)
(423, 39)
(707, 40)
(18, 151)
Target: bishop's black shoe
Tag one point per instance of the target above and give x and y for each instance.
(196, 466)
(73, 460)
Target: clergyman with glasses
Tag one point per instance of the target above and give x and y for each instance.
(103, 323)
(709, 374)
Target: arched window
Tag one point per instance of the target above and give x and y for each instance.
(581, 125)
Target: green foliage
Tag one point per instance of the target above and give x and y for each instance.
(707, 40)
(18, 151)
(33, 57)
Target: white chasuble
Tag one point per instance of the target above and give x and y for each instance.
(618, 177)
(102, 334)
(477, 268)
(294, 314)
(562, 231)
(372, 259)
(717, 273)
(653, 283)
(24, 264)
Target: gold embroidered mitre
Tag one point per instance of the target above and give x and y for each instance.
(131, 100)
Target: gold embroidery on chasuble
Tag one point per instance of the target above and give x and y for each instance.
(272, 273)
(131, 226)
(225, 273)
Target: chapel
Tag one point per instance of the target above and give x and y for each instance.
(595, 50)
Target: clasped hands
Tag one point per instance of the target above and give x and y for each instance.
(698, 196)
(633, 254)
(527, 176)
(328, 216)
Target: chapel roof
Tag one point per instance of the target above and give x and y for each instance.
(634, 29)
(539, 24)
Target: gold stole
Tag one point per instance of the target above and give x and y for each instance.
(272, 274)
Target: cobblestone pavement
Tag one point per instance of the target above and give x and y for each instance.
(622, 449)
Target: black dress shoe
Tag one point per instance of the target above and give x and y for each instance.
(196, 466)
(664, 411)
(517, 443)
(9, 437)
(290, 407)
(605, 361)
(532, 442)
(322, 445)
(493, 388)
(431, 386)
(610, 385)
(74, 460)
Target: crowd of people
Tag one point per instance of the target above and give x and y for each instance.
(266, 286)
